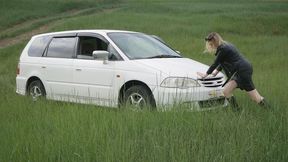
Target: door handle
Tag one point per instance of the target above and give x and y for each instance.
(43, 67)
(78, 69)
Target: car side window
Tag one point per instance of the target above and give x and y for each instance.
(38, 46)
(88, 44)
(62, 47)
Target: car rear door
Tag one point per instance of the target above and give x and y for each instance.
(58, 67)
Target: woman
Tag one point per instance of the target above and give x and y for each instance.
(235, 66)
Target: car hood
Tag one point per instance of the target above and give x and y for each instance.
(180, 67)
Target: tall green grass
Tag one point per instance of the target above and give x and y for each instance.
(59, 131)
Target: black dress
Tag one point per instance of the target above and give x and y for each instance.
(230, 60)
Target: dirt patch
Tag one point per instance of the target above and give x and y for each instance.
(11, 41)
(50, 22)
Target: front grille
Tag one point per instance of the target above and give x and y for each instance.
(212, 82)
(212, 103)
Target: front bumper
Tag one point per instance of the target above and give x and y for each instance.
(197, 98)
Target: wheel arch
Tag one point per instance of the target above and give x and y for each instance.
(30, 80)
(131, 83)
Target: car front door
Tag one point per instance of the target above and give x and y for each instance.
(92, 78)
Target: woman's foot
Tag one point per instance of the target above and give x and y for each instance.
(233, 103)
(263, 103)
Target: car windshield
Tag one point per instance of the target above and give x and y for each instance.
(142, 46)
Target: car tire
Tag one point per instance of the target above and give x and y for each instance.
(36, 90)
(138, 98)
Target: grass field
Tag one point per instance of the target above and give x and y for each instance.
(58, 131)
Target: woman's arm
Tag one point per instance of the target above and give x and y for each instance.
(216, 64)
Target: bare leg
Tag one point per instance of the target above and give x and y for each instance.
(229, 88)
(255, 96)
(228, 93)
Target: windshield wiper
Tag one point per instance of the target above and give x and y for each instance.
(164, 56)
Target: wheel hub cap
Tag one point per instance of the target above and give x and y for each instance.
(35, 92)
(136, 100)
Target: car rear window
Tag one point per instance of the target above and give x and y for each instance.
(38, 46)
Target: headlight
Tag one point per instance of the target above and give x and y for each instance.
(179, 82)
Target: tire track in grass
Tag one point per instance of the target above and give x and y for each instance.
(11, 37)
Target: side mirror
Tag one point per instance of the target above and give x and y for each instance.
(101, 55)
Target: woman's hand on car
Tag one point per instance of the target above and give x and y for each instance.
(202, 75)
(215, 72)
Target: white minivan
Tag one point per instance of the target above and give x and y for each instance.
(114, 68)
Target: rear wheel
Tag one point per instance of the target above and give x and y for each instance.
(36, 90)
(138, 98)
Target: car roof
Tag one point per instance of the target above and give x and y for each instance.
(99, 31)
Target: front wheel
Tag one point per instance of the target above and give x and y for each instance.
(138, 97)
(36, 90)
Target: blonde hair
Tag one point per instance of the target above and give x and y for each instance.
(216, 39)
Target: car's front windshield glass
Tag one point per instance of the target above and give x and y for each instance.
(142, 46)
